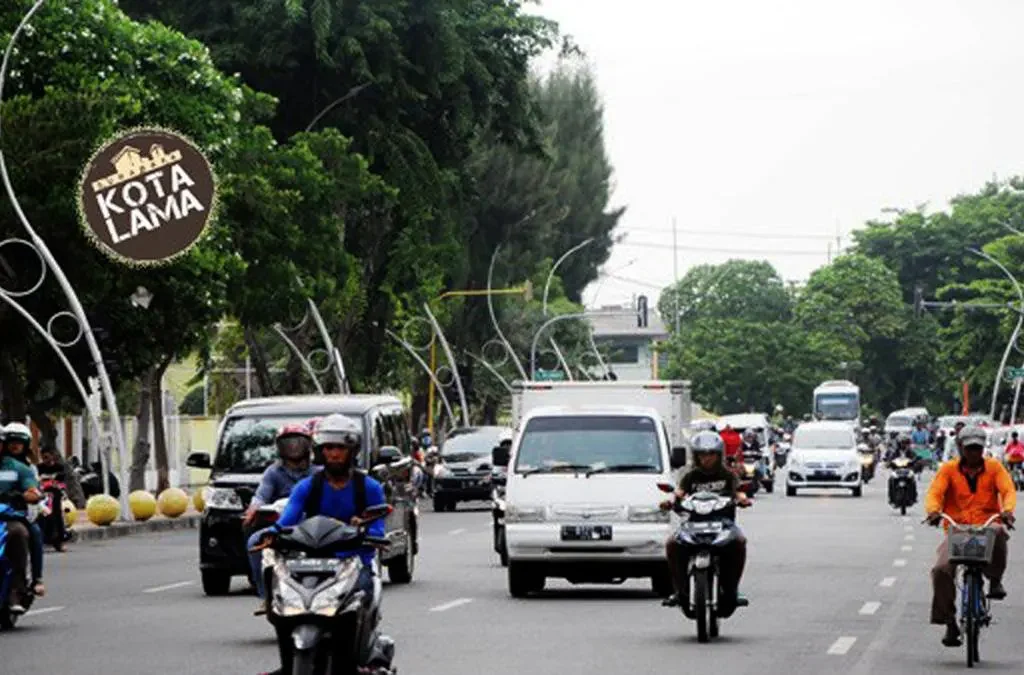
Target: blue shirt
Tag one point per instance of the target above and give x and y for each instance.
(278, 481)
(919, 437)
(340, 504)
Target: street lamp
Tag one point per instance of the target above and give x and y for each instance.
(547, 287)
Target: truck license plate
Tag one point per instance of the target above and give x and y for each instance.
(586, 533)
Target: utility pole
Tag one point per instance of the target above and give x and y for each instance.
(675, 269)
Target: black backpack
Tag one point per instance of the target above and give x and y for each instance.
(316, 493)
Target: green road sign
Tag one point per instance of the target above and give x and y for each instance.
(1014, 374)
(550, 375)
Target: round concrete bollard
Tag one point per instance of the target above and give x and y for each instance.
(172, 502)
(143, 505)
(102, 509)
(70, 514)
(199, 500)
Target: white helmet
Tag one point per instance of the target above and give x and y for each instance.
(339, 429)
(16, 431)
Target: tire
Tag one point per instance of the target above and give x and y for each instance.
(304, 662)
(858, 491)
(769, 487)
(216, 582)
(502, 548)
(700, 604)
(453, 505)
(662, 585)
(440, 504)
(903, 509)
(790, 491)
(523, 579)
(972, 638)
(400, 570)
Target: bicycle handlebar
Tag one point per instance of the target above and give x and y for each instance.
(945, 516)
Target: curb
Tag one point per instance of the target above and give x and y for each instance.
(115, 530)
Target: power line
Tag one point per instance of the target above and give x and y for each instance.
(638, 282)
(752, 235)
(702, 249)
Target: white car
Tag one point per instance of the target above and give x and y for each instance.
(823, 455)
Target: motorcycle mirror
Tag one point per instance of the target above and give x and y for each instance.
(666, 487)
(376, 513)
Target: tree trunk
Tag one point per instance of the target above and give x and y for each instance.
(15, 407)
(140, 451)
(490, 412)
(259, 362)
(163, 474)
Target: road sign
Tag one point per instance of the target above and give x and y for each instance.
(1014, 374)
(550, 375)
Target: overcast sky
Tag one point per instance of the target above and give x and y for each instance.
(791, 117)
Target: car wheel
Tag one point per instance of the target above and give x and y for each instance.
(769, 487)
(439, 504)
(523, 579)
(216, 582)
(661, 584)
(452, 505)
(790, 491)
(857, 492)
(400, 570)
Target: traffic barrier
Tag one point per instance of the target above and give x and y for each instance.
(199, 499)
(102, 509)
(142, 504)
(172, 502)
(70, 514)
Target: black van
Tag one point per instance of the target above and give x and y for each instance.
(246, 447)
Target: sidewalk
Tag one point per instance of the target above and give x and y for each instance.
(86, 531)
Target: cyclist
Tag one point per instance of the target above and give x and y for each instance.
(969, 490)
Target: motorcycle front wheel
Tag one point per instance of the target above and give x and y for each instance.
(700, 603)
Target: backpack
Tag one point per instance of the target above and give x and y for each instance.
(316, 493)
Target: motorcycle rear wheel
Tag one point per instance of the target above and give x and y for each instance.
(700, 604)
(304, 662)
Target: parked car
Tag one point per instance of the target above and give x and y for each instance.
(246, 447)
(463, 473)
(824, 455)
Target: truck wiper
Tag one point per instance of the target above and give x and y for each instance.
(620, 467)
(558, 467)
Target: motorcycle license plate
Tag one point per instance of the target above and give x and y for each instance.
(586, 533)
(301, 565)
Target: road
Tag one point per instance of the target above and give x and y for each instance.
(836, 584)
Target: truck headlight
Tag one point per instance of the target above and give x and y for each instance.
(646, 514)
(223, 498)
(524, 514)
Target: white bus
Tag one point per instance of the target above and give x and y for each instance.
(837, 400)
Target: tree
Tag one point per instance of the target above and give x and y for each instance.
(750, 290)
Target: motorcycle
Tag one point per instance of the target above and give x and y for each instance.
(867, 462)
(54, 493)
(781, 451)
(757, 472)
(314, 602)
(708, 526)
(902, 485)
(431, 462)
(7, 619)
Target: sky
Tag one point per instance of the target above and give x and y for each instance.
(767, 127)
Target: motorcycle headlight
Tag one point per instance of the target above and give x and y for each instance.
(326, 601)
(866, 460)
(644, 514)
(524, 514)
(223, 498)
(288, 601)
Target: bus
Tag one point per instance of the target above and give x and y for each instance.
(837, 400)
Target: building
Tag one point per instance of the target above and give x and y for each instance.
(628, 342)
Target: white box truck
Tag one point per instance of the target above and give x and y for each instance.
(670, 398)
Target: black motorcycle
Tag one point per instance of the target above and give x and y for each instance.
(708, 526)
(322, 621)
(902, 484)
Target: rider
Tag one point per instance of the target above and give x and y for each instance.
(1014, 450)
(18, 482)
(294, 444)
(969, 490)
(340, 439)
(920, 436)
(902, 448)
(51, 467)
(733, 444)
(708, 474)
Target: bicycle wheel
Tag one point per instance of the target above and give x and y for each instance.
(971, 616)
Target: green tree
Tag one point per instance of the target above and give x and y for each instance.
(750, 290)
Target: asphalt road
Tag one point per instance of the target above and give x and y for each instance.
(836, 584)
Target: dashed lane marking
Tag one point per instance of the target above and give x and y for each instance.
(841, 646)
(458, 531)
(888, 582)
(43, 610)
(158, 589)
(899, 562)
(870, 608)
(451, 605)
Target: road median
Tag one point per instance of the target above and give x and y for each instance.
(86, 531)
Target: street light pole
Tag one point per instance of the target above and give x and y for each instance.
(547, 287)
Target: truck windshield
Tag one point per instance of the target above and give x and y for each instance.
(614, 443)
(247, 442)
(837, 406)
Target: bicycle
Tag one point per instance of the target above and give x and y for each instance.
(970, 550)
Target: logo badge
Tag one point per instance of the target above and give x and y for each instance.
(147, 196)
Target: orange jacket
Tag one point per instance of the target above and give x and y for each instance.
(950, 492)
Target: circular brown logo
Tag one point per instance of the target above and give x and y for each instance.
(147, 196)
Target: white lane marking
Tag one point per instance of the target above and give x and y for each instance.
(908, 528)
(44, 610)
(899, 562)
(888, 582)
(451, 605)
(908, 547)
(909, 537)
(841, 646)
(458, 531)
(870, 608)
(180, 584)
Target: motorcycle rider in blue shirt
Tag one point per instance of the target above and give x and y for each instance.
(339, 438)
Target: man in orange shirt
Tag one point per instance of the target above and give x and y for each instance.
(969, 490)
